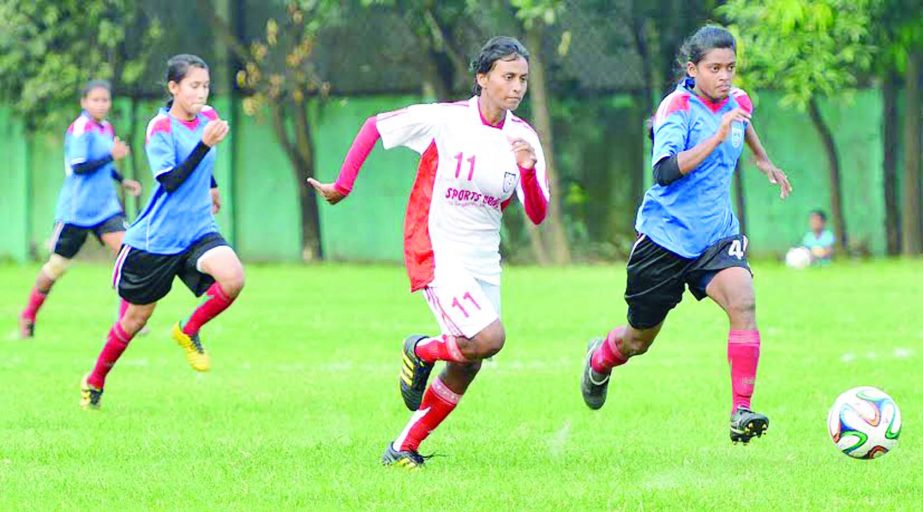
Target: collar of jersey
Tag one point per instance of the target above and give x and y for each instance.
(192, 125)
(711, 106)
(92, 120)
(477, 106)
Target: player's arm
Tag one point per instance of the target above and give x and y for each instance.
(687, 161)
(362, 145)
(413, 127)
(764, 164)
(171, 179)
(119, 151)
(216, 196)
(531, 191)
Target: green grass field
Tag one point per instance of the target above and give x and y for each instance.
(302, 398)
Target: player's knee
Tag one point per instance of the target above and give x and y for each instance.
(56, 266)
(135, 319)
(742, 308)
(233, 283)
(494, 343)
(490, 341)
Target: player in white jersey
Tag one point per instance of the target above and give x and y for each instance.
(475, 155)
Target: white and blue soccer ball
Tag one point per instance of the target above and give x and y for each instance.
(864, 423)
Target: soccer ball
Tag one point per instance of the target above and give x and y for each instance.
(864, 423)
(798, 257)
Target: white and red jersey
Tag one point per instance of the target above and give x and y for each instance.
(466, 177)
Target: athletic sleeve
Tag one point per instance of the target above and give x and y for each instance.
(533, 190)
(362, 145)
(78, 147)
(160, 153)
(413, 127)
(670, 136)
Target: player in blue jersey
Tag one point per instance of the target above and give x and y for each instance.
(176, 234)
(87, 202)
(687, 232)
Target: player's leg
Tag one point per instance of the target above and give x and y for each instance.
(440, 399)
(653, 288)
(470, 325)
(215, 273)
(66, 243)
(120, 335)
(111, 232)
(141, 280)
(732, 289)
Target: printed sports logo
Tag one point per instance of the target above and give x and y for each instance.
(737, 134)
(509, 181)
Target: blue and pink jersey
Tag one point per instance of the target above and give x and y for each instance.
(172, 221)
(87, 199)
(692, 213)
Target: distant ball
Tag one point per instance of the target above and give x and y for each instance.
(798, 257)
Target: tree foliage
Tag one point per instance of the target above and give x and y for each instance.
(804, 49)
(50, 48)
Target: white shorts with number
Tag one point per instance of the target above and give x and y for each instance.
(462, 305)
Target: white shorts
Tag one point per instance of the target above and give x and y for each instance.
(462, 305)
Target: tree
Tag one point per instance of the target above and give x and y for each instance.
(279, 75)
(536, 15)
(444, 69)
(895, 31)
(50, 48)
(808, 51)
(657, 31)
(911, 223)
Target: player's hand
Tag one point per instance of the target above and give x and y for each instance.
(524, 152)
(132, 187)
(724, 129)
(119, 149)
(330, 193)
(776, 177)
(216, 200)
(215, 132)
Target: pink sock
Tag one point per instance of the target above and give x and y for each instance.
(743, 356)
(36, 299)
(216, 301)
(608, 355)
(116, 343)
(440, 348)
(438, 402)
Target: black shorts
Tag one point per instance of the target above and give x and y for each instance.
(142, 277)
(68, 238)
(658, 277)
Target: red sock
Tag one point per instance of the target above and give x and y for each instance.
(438, 402)
(743, 356)
(440, 348)
(216, 301)
(36, 299)
(123, 307)
(608, 355)
(116, 343)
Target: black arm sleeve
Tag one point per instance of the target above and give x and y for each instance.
(91, 165)
(177, 176)
(666, 171)
(117, 176)
(214, 183)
